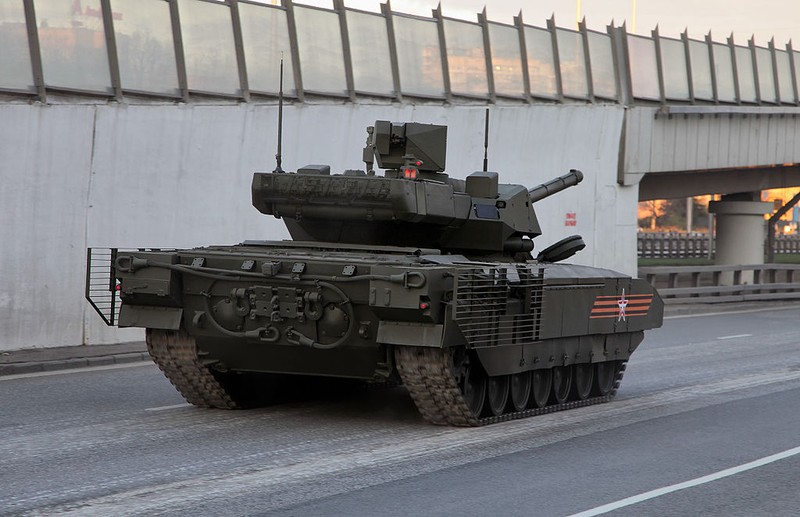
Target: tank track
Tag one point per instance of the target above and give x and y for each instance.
(175, 353)
(428, 375)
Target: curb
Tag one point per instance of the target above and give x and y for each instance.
(68, 364)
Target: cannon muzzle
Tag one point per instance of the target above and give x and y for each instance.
(556, 185)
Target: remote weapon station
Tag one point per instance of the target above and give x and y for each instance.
(411, 276)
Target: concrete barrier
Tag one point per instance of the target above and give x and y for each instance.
(178, 175)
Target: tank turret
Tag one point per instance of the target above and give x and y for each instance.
(413, 204)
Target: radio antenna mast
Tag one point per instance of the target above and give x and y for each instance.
(486, 143)
(280, 121)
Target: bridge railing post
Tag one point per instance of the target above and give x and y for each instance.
(619, 38)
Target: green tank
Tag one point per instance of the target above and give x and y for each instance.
(410, 277)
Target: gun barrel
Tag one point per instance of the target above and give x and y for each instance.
(556, 185)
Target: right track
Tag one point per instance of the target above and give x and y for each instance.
(428, 375)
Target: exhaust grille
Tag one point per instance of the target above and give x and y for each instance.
(499, 305)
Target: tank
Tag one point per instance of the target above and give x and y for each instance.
(409, 276)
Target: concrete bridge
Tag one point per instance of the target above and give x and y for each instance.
(133, 127)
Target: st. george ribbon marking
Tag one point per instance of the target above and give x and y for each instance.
(621, 307)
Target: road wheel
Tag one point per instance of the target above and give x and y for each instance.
(562, 383)
(497, 394)
(474, 388)
(583, 375)
(541, 386)
(604, 376)
(520, 391)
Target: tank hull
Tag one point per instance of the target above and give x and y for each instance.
(382, 314)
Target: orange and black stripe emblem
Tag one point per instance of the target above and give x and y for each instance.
(621, 307)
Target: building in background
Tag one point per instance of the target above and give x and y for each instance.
(788, 224)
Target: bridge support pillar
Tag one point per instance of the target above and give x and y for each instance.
(741, 232)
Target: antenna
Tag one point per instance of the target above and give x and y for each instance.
(280, 121)
(486, 143)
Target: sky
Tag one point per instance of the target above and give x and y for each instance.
(762, 19)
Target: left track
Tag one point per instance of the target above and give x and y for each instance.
(175, 353)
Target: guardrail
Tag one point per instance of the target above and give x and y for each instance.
(787, 244)
(696, 245)
(175, 49)
(674, 245)
(714, 284)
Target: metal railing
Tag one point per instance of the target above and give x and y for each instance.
(178, 49)
(682, 245)
(674, 245)
(712, 284)
(787, 244)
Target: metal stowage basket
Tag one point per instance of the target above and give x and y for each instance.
(101, 283)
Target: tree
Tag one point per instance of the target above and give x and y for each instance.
(649, 212)
(670, 214)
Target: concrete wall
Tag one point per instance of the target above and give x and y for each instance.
(125, 175)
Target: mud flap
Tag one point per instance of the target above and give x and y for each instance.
(167, 318)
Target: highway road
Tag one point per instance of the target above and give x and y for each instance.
(707, 422)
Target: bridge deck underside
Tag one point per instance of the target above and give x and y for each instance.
(714, 150)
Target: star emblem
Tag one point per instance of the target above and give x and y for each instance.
(622, 303)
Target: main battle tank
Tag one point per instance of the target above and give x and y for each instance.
(413, 277)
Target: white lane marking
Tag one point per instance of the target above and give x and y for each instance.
(687, 484)
(722, 313)
(734, 336)
(164, 408)
(82, 369)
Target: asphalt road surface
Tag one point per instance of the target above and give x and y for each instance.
(707, 422)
